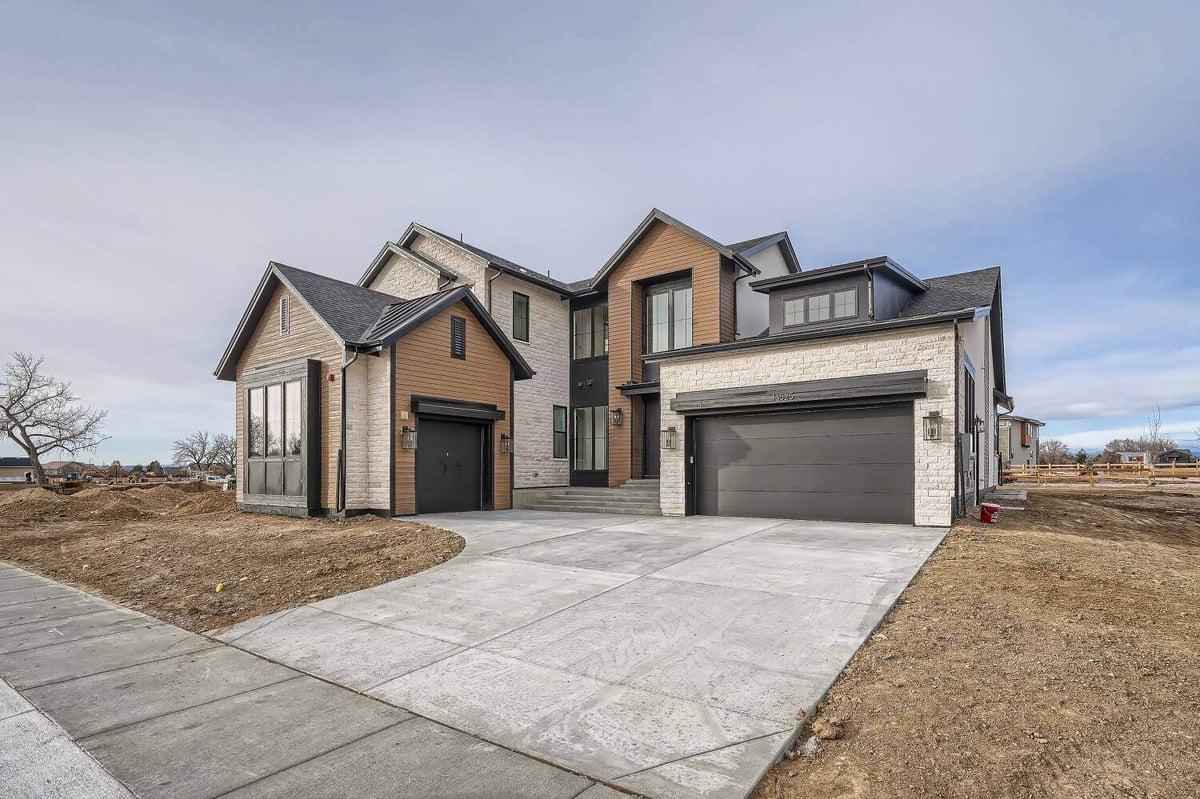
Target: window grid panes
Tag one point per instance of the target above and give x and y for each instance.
(845, 304)
(682, 316)
(668, 324)
(793, 312)
(818, 308)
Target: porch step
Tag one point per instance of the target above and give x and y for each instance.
(637, 497)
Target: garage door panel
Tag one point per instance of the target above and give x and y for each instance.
(827, 507)
(830, 450)
(847, 478)
(849, 464)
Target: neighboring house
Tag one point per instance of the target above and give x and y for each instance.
(1176, 456)
(1134, 457)
(1019, 440)
(16, 470)
(857, 392)
(337, 384)
(66, 470)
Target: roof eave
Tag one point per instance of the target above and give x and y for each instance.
(643, 228)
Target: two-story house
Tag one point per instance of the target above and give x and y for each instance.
(745, 385)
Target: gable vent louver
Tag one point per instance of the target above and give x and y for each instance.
(285, 315)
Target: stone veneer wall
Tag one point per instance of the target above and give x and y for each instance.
(470, 270)
(930, 348)
(402, 278)
(547, 352)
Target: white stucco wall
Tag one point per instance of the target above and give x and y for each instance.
(547, 352)
(930, 348)
(753, 306)
(405, 279)
(977, 345)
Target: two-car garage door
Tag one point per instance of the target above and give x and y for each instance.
(847, 464)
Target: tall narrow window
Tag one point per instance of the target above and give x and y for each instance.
(274, 419)
(560, 431)
(793, 312)
(291, 418)
(458, 337)
(520, 316)
(257, 434)
(668, 324)
(285, 315)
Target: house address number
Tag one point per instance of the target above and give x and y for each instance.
(782, 396)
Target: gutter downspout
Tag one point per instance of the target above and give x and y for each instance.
(489, 289)
(341, 461)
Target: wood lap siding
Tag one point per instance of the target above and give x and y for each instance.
(728, 300)
(663, 251)
(424, 367)
(308, 339)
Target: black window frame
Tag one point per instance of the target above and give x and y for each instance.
(560, 436)
(524, 298)
(669, 288)
(458, 337)
(600, 340)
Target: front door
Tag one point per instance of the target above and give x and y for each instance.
(651, 407)
(589, 446)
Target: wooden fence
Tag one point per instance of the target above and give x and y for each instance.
(1102, 473)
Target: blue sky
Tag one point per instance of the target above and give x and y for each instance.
(154, 157)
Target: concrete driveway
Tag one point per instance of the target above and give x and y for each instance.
(668, 656)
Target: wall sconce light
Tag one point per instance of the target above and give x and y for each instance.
(978, 425)
(505, 443)
(408, 438)
(618, 416)
(931, 425)
(668, 438)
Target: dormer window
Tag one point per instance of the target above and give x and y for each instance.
(833, 305)
(285, 315)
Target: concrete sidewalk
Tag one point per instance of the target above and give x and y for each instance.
(171, 714)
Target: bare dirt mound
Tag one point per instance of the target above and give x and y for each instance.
(30, 504)
(207, 502)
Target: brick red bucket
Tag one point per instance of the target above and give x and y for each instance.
(988, 513)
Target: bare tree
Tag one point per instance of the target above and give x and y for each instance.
(198, 450)
(226, 448)
(1154, 440)
(1053, 451)
(41, 414)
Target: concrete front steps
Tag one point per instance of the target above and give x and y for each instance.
(635, 497)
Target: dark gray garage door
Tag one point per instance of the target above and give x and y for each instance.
(449, 466)
(845, 465)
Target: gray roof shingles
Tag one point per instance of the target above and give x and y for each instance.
(742, 246)
(352, 311)
(954, 293)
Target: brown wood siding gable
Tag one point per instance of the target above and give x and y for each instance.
(307, 338)
(664, 250)
(424, 367)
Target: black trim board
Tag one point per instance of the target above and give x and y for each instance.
(460, 409)
(780, 396)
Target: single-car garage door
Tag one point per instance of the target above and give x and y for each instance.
(853, 464)
(449, 466)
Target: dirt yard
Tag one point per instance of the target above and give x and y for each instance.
(1056, 655)
(165, 551)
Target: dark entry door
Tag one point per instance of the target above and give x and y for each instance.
(650, 414)
(449, 466)
(845, 465)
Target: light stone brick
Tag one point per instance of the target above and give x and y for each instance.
(402, 278)
(471, 269)
(547, 352)
(931, 349)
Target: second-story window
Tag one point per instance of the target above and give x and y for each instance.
(821, 307)
(520, 327)
(668, 317)
(589, 332)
